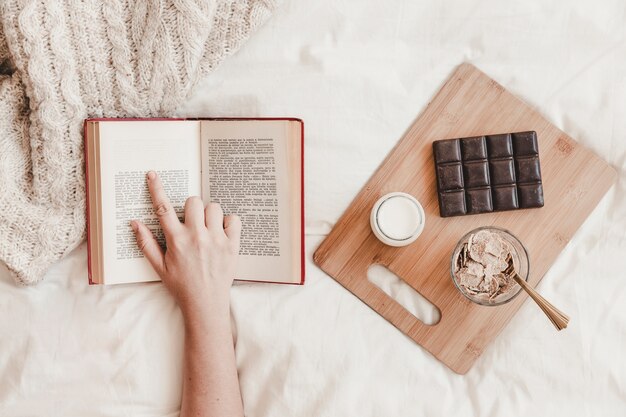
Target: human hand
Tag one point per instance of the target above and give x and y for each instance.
(198, 266)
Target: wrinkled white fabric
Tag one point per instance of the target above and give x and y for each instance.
(358, 73)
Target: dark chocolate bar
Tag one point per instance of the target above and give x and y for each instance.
(488, 173)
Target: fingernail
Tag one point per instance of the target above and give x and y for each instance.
(151, 175)
(133, 225)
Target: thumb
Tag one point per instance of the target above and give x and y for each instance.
(148, 245)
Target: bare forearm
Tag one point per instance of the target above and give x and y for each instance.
(211, 386)
(198, 268)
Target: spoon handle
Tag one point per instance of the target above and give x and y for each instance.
(557, 317)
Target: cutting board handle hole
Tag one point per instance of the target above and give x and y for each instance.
(405, 295)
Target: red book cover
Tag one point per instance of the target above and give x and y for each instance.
(302, 236)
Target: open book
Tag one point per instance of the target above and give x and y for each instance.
(252, 167)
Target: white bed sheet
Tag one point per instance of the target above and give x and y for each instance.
(358, 73)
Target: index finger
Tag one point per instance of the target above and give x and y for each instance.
(162, 206)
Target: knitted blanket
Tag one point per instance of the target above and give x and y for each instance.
(64, 60)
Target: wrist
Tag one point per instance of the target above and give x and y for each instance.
(208, 310)
(196, 298)
(214, 324)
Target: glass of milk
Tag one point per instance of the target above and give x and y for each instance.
(397, 219)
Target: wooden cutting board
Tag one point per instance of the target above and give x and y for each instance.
(469, 104)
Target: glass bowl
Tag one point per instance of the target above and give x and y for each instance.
(520, 262)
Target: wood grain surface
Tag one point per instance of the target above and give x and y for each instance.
(469, 104)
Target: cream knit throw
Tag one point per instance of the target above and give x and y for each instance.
(64, 60)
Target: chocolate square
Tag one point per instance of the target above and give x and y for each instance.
(453, 203)
(447, 151)
(502, 171)
(500, 146)
(488, 173)
(475, 174)
(504, 197)
(530, 195)
(450, 177)
(479, 201)
(473, 148)
(525, 143)
(528, 169)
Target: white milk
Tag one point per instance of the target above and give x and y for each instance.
(397, 219)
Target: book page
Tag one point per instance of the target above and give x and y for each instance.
(245, 168)
(128, 150)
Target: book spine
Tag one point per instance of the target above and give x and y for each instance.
(134, 119)
(302, 223)
(291, 119)
(87, 200)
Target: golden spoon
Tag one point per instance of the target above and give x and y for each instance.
(558, 318)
